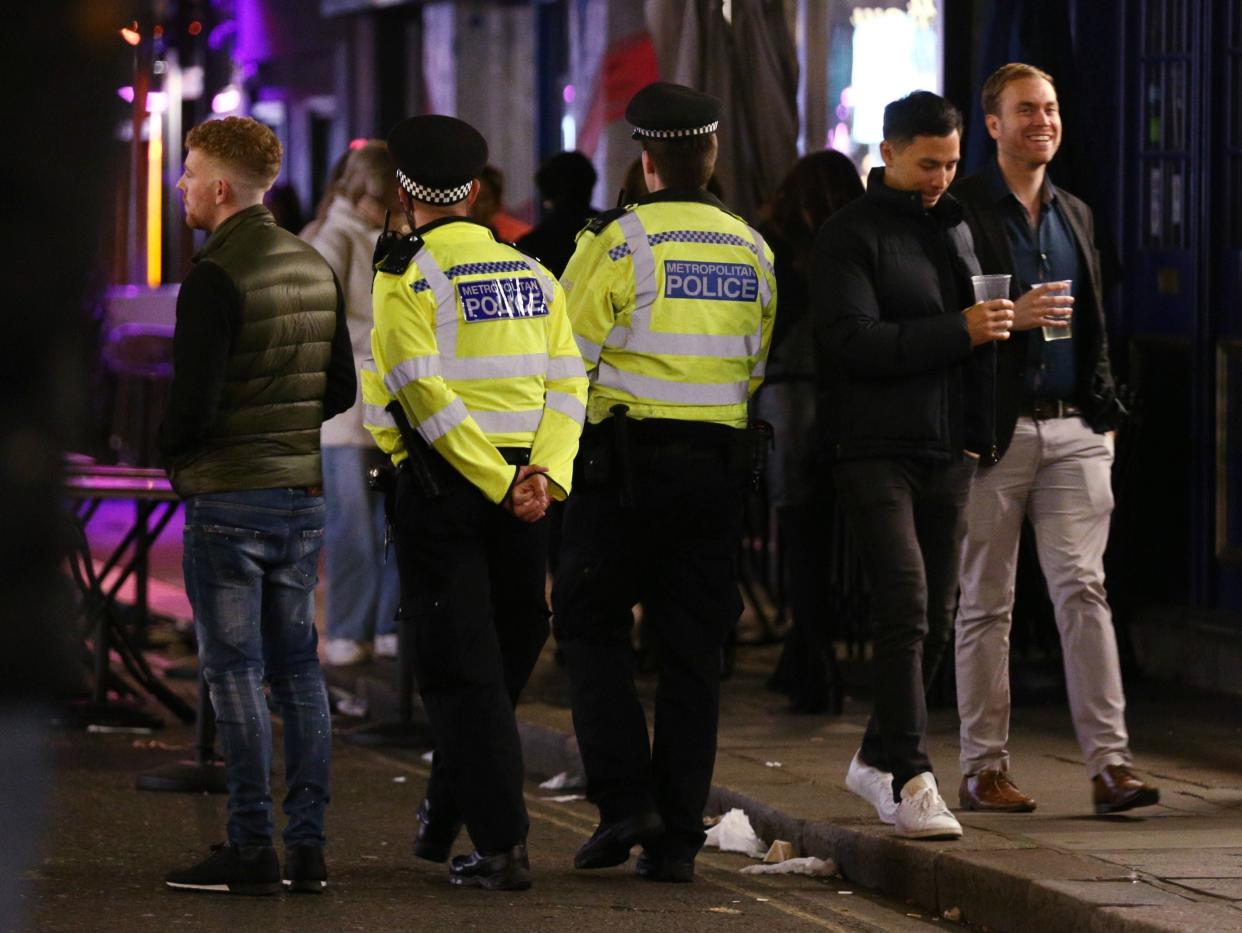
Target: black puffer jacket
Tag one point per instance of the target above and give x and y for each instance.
(897, 373)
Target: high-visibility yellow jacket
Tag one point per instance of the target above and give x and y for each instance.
(473, 338)
(672, 302)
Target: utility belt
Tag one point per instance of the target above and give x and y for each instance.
(609, 449)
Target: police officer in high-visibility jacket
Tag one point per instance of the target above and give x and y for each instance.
(672, 301)
(472, 339)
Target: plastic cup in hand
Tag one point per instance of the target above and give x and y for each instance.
(1058, 333)
(988, 287)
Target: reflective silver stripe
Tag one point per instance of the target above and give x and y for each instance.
(496, 367)
(765, 288)
(443, 421)
(446, 302)
(407, 371)
(565, 367)
(368, 365)
(666, 390)
(567, 405)
(644, 269)
(759, 370)
(377, 416)
(508, 422)
(590, 351)
(545, 282)
(721, 346)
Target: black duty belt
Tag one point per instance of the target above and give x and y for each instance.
(1041, 409)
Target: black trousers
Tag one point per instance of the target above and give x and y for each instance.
(672, 549)
(908, 519)
(472, 580)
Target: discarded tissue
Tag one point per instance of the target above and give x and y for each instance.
(563, 781)
(734, 834)
(811, 866)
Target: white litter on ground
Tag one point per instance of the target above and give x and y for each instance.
(562, 781)
(426, 756)
(564, 798)
(399, 779)
(810, 866)
(773, 764)
(735, 834)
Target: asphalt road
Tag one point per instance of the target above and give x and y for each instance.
(107, 846)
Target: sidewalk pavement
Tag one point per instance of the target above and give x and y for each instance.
(1173, 867)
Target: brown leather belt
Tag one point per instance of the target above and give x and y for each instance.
(1041, 409)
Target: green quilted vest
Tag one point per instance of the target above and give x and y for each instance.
(266, 433)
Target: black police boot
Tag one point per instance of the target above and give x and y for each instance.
(435, 837)
(504, 871)
(305, 871)
(664, 868)
(231, 869)
(610, 844)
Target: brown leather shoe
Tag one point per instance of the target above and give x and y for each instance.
(1117, 788)
(993, 792)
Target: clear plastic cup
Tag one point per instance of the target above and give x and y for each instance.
(988, 287)
(1065, 286)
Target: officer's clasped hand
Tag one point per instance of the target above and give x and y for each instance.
(528, 496)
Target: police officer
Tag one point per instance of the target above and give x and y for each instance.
(472, 339)
(672, 302)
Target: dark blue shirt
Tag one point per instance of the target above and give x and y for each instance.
(1046, 253)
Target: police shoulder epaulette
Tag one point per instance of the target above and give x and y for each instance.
(396, 254)
(604, 218)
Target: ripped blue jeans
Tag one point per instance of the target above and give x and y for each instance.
(251, 564)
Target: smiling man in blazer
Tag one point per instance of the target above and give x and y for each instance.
(1051, 461)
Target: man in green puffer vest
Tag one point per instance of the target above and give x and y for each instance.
(262, 357)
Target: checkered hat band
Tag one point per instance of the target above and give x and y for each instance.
(432, 195)
(674, 134)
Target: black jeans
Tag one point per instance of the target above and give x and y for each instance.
(672, 550)
(472, 580)
(908, 521)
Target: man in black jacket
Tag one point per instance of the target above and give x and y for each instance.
(1055, 415)
(895, 275)
(262, 357)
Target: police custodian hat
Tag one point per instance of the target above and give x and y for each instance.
(672, 111)
(437, 157)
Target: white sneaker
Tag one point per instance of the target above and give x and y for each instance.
(922, 813)
(874, 786)
(386, 646)
(341, 652)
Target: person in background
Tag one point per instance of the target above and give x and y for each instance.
(634, 186)
(285, 206)
(262, 357)
(909, 413)
(489, 208)
(329, 193)
(815, 188)
(565, 183)
(1056, 411)
(363, 590)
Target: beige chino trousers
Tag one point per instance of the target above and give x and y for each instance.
(1057, 472)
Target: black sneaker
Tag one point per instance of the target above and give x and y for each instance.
(232, 870)
(505, 871)
(305, 871)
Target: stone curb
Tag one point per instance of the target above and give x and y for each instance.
(1034, 891)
